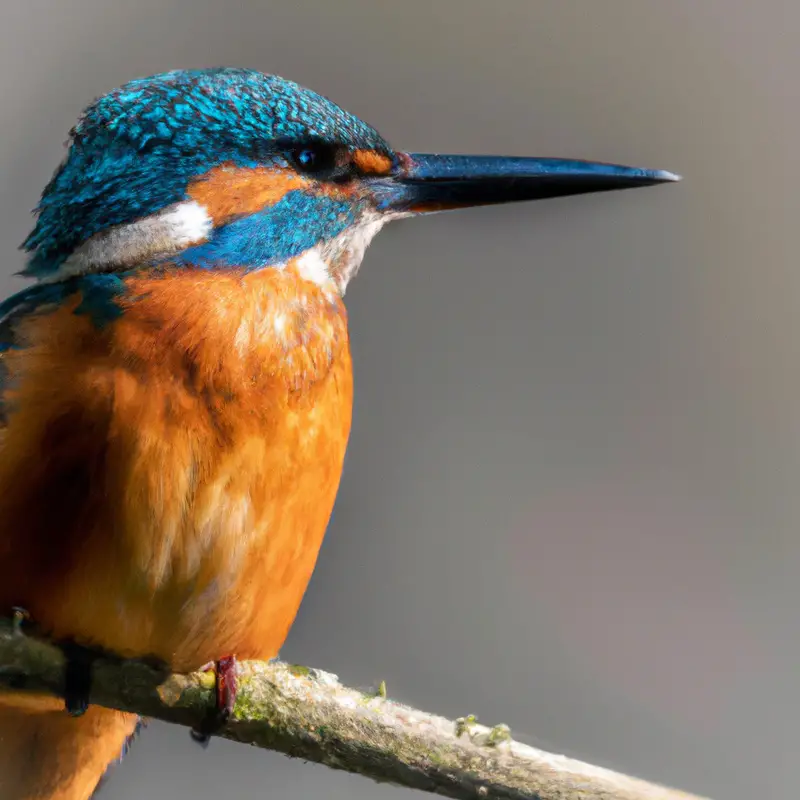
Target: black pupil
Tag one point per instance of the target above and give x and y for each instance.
(314, 158)
(306, 158)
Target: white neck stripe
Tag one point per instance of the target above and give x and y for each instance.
(168, 232)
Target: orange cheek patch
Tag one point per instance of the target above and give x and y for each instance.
(228, 191)
(370, 162)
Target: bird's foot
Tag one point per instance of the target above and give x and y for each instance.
(78, 662)
(77, 677)
(225, 686)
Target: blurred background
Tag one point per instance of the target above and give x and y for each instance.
(570, 501)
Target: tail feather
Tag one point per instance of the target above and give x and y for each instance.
(48, 755)
(126, 745)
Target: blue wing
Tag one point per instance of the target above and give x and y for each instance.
(29, 301)
(98, 300)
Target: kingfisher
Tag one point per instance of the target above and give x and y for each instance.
(176, 383)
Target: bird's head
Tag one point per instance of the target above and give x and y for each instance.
(228, 168)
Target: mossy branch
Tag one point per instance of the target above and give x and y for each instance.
(308, 714)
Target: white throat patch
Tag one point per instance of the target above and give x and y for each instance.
(338, 260)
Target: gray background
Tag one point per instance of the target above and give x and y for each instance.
(570, 501)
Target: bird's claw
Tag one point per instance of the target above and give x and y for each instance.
(77, 678)
(225, 699)
(77, 664)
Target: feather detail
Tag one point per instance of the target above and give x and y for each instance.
(189, 451)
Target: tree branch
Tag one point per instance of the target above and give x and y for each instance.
(308, 714)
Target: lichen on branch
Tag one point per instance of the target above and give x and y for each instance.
(307, 713)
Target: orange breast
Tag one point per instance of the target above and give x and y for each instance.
(166, 481)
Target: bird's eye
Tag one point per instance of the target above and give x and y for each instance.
(314, 159)
(306, 158)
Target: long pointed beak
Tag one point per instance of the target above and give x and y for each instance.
(425, 183)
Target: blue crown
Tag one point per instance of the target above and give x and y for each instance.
(134, 150)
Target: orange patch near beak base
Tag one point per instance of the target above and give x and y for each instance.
(370, 162)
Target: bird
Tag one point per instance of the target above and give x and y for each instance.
(176, 382)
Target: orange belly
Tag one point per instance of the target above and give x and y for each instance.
(166, 480)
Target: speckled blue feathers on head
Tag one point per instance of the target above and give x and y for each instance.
(134, 151)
